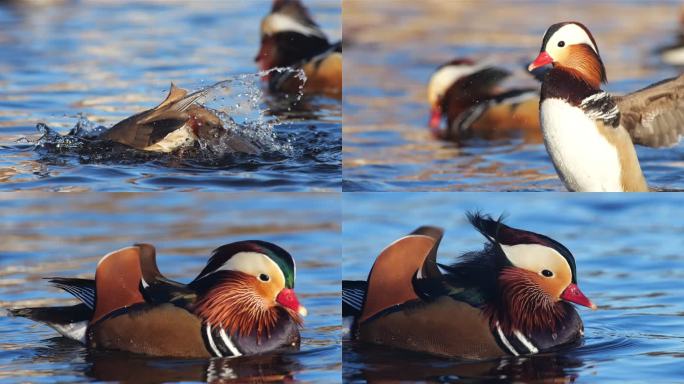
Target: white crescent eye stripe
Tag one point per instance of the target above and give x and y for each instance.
(535, 258)
(253, 263)
(571, 34)
(444, 77)
(276, 23)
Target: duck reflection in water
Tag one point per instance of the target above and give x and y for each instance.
(373, 361)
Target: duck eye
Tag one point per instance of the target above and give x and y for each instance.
(561, 43)
(547, 273)
(264, 277)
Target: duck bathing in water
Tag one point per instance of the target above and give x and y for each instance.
(178, 122)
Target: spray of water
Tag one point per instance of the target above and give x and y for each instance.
(237, 101)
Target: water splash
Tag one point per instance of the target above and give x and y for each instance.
(238, 102)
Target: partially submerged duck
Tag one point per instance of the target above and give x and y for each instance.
(178, 122)
(290, 38)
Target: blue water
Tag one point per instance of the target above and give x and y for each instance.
(395, 46)
(46, 235)
(628, 250)
(108, 60)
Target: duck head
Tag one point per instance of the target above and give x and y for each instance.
(288, 35)
(246, 286)
(535, 276)
(440, 82)
(571, 47)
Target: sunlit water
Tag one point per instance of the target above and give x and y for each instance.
(629, 262)
(65, 62)
(395, 45)
(65, 235)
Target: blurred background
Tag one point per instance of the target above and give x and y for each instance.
(628, 249)
(108, 59)
(45, 235)
(394, 46)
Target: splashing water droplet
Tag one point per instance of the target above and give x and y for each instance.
(237, 101)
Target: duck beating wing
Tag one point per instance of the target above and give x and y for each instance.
(654, 116)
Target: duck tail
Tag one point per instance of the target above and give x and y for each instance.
(70, 321)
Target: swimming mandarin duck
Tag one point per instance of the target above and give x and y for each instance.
(511, 298)
(590, 134)
(290, 38)
(177, 122)
(241, 303)
(468, 96)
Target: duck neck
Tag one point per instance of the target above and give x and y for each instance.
(523, 306)
(567, 84)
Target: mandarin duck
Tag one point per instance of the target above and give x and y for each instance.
(590, 134)
(241, 303)
(468, 97)
(178, 122)
(290, 38)
(512, 298)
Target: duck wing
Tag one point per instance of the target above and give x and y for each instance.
(391, 280)
(158, 289)
(82, 289)
(148, 127)
(654, 116)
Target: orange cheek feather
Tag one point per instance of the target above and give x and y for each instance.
(582, 59)
(264, 290)
(552, 287)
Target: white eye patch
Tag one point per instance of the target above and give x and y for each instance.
(277, 22)
(536, 258)
(445, 77)
(255, 264)
(570, 34)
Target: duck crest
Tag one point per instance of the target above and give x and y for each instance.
(516, 302)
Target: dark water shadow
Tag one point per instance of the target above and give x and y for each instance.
(376, 364)
(118, 366)
(128, 367)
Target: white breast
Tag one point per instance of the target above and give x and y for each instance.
(181, 137)
(584, 159)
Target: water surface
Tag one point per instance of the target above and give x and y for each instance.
(107, 60)
(629, 262)
(46, 235)
(395, 45)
